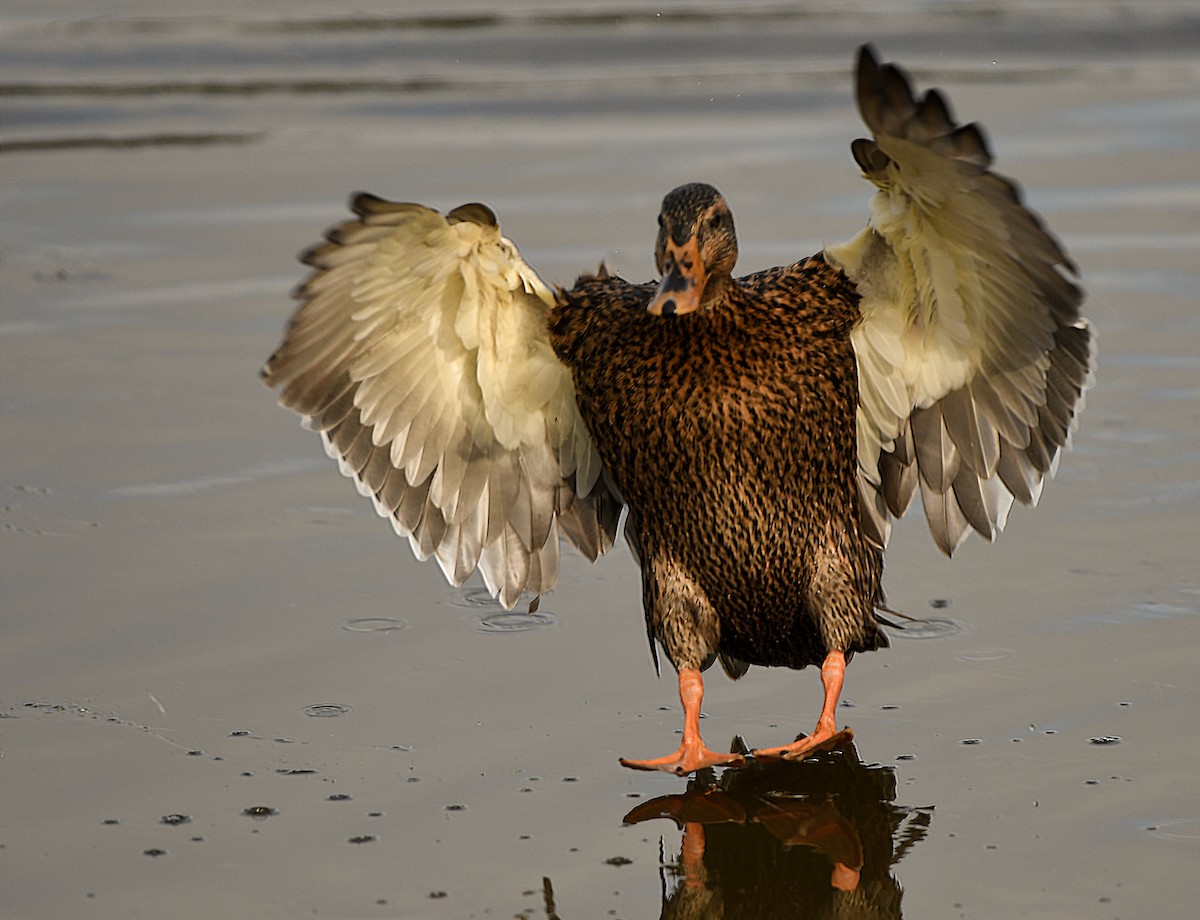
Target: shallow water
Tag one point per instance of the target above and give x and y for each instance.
(201, 618)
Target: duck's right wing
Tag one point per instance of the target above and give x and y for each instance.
(420, 353)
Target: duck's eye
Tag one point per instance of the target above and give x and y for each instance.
(714, 222)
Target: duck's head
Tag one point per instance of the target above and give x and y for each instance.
(696, 250)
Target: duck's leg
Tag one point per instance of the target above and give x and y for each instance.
(826, 734)
(692, 754)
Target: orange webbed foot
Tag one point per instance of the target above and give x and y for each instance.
(806, 746)
(690, 757)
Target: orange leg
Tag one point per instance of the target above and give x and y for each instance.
(833, 672)
(692, 754)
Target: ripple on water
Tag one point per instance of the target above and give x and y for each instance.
(473, 597)
(1184, 829)
(326, 710)
(985, 654)
(375, 624)
(928, 628)
(510, 621)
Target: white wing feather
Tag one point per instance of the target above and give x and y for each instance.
(420, 353)
(972, 354)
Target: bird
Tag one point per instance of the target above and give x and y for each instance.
(755, 435)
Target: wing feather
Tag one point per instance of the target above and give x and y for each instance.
(419, 350)
(973, 357)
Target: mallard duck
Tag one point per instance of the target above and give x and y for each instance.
(759, 432)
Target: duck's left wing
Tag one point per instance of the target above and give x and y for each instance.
(972, 353)
(420, 352)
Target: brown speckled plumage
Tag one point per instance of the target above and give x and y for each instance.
(761, 432)
(729, 433)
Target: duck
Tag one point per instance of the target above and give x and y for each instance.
(755, 436)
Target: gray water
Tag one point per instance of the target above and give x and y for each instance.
(201, 618)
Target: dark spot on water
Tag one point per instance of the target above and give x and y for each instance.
(240, 733)
(326, 710)
(284, 741)
(939, 603)
(110, 821)
(402, 747)
(1125, 703)
(154, 851)
(299, 771)
(906, 756)
(247, 773)
(374, 814)
(1105, 739)
(195, 753)
(971, 741)
(197, 840)
(570, 779)
(339, 797)
(526, 789)
(1091, 782)
(633, 795)
(890, 706)
(413, 779)
(523, 837)
(259, 812)
(362, 838)
(848, 704)
(175, 820)
(618, 861)
(456, 808)
(437, 894)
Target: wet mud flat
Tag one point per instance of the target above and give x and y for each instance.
(227, 689)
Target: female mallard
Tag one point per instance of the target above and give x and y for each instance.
(759, 431)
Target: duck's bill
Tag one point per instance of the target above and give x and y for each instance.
(683, 280)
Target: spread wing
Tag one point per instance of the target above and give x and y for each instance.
(420, 353)
(972, 354)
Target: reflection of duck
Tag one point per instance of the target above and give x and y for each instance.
(811, 839)
(760, 430)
